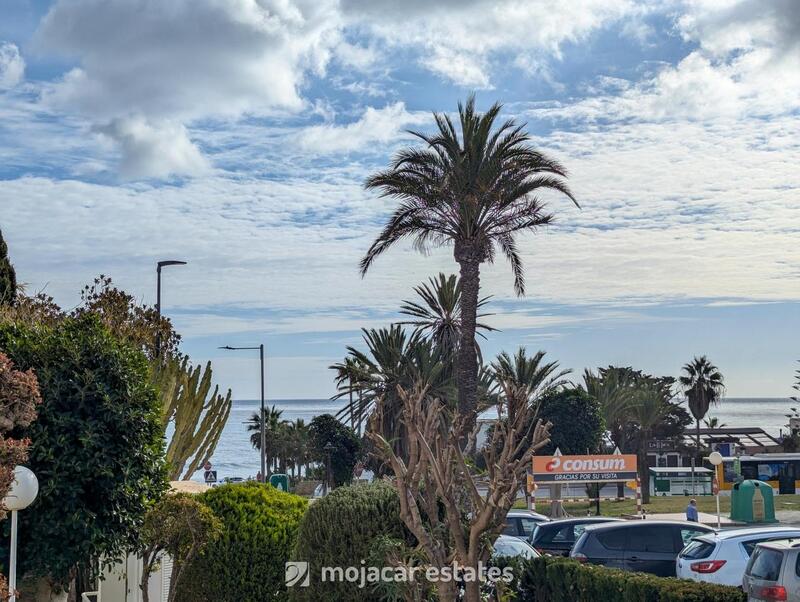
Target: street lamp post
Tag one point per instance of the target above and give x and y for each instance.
(160, 265)
(715, 458)
(328, 449)
(24, 489)
(263, 410)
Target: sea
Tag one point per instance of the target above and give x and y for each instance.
(235, 456)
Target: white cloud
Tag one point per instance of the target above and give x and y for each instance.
(375, 125)
(458, 39)
(154, 150)
(747, 63)
(670, 211)
(180, 61)
(186, 59)
(12, 65)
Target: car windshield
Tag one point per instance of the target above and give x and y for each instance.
(766, 564)
(513, 547)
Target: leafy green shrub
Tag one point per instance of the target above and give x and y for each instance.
(96, 445)
(247, 562)
(549, 579)
(341, 530)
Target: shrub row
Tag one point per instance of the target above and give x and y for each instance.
(549, 579)
(263, 528)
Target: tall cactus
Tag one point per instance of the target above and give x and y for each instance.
(197, 417)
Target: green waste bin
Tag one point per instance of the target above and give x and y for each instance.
(751, 502)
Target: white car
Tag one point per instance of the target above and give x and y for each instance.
(510, 546)
(722, 557)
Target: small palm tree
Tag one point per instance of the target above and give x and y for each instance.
(521, 381)
(473, 190)
(438, 313)
(714, 423)
(393, 358)
(704, 386)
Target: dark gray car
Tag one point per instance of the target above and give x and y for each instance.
(648, 546)
(558, 536)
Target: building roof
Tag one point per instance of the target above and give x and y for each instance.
(745, 436)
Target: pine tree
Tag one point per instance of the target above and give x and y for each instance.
(8, 277)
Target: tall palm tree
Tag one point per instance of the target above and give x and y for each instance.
(473, 190)
(297, 438)
(438, 313)
(272, 426)
(651, 404)
(614, 388)
(348, 372)
(704, 386)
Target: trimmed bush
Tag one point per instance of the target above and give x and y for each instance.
(549, 579)
(247, 562)
(340, 530)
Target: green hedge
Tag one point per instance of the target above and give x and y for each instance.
(340, 530)
(549, 579)
(247, 563)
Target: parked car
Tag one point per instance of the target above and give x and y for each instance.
(722, 557)
(557, 537)
(649, 546)
(520, 523)
(773, 572)
(510, 546)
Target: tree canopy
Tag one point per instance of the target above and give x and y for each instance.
(326, 429)
(577, 421)
(97, 445)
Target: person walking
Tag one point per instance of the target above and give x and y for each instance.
(691, 511)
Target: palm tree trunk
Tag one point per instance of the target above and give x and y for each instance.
(644, 469)
(467, 369)
(352, 416)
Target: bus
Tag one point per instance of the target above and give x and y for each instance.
(781, 471)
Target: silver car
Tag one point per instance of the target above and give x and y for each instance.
(521, 523)
(773, 572)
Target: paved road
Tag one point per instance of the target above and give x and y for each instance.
(788, 517)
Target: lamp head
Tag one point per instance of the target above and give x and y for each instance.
(161, 264)
(24, 489)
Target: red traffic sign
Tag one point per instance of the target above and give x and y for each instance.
(207, 465)
(714, 486)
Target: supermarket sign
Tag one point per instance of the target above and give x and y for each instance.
(584, 469)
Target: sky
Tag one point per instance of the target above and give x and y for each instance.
(237, 134)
